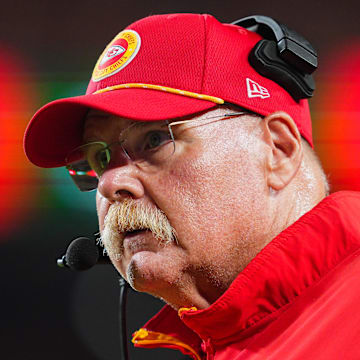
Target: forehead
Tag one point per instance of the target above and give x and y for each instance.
(98, 122)
(101, 124)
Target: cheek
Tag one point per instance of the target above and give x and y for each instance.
(208, 189)
(102, 206)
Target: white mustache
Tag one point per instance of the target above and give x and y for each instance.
(131, 215)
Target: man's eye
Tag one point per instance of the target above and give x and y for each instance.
(98, 159)
(103, 158)
(155, 139)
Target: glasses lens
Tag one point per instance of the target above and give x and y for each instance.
(87, 163)
(148, 143)
(145, 143)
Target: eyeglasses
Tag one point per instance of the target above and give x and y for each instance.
(146, 144)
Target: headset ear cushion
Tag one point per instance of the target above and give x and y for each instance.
(264, 58)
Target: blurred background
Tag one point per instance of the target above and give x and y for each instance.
(47, 51)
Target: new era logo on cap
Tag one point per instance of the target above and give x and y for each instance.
(256, 90)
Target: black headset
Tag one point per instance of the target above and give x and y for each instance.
(283, 55)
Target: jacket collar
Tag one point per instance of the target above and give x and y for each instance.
(294, 260)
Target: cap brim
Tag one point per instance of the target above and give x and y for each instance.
(57, 127)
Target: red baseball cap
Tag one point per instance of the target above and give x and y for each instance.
(163, 67)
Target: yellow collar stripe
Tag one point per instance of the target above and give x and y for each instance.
(213, 99)
(144, 337)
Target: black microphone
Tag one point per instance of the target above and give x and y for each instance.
(82, 254)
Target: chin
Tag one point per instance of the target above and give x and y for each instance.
(142, 272)
(148, 272)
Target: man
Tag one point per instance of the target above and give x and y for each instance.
(209, 194)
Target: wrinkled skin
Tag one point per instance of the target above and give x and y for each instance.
(217, 194)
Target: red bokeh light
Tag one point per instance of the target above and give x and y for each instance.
(15, 171)
(337, 117)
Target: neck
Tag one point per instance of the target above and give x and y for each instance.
(294, 201)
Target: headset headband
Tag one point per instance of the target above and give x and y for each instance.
(283, 56)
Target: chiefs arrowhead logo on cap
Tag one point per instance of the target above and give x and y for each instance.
(118, 54)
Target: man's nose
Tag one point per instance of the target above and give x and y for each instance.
(120, 182)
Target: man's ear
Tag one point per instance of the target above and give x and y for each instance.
(286, 153)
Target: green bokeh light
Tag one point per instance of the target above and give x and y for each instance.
(60, 192)
(57, 189)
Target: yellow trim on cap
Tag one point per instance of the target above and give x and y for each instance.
(213, 99)
(145, 337)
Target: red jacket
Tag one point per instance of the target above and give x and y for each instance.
(299, 298)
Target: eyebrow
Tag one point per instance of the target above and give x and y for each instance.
(96, 113)
(141, 124)
(92, 137)
(96, 116)
(133, 125)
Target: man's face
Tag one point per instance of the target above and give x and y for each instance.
(212, 191)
